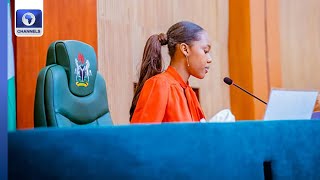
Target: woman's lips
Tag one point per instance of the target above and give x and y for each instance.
(207, 69)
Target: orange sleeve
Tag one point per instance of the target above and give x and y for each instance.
(152, 103)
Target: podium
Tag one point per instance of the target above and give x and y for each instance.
(287, 149)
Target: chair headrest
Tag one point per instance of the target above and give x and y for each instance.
(79, 61)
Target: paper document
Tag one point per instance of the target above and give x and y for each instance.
(222, 116)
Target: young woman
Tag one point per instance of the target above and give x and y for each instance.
(166, 96)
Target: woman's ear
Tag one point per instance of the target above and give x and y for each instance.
(184, 48)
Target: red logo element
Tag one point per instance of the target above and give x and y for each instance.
(81, 58)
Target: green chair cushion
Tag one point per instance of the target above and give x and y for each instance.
(70, 91)
(79, 61)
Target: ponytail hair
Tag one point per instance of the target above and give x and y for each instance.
(151, 64)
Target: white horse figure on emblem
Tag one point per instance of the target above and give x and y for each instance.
(76, 70)
(86, 68)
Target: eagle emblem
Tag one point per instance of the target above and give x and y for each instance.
(82, 71)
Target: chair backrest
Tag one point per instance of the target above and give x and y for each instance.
(69, 90)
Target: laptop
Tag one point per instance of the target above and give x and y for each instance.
(290, 104)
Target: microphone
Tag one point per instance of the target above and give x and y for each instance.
(229, 82)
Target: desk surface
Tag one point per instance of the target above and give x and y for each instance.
(169, 151)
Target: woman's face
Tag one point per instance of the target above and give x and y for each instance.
(199, 56)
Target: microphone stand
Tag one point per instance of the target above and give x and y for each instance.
(248, 93)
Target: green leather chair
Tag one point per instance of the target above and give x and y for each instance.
(70, 91)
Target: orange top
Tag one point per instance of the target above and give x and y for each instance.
(167, 98)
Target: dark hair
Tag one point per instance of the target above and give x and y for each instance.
(151, 65)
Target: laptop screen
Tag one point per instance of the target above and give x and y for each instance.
(290, 104)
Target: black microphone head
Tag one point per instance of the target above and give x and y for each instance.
(227, 80)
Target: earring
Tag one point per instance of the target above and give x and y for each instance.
(187, 60)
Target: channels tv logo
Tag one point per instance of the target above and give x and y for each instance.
(29, 22)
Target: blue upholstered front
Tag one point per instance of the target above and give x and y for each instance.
(168, 151)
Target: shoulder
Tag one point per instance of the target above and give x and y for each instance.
(163, 79)
(155, 84)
